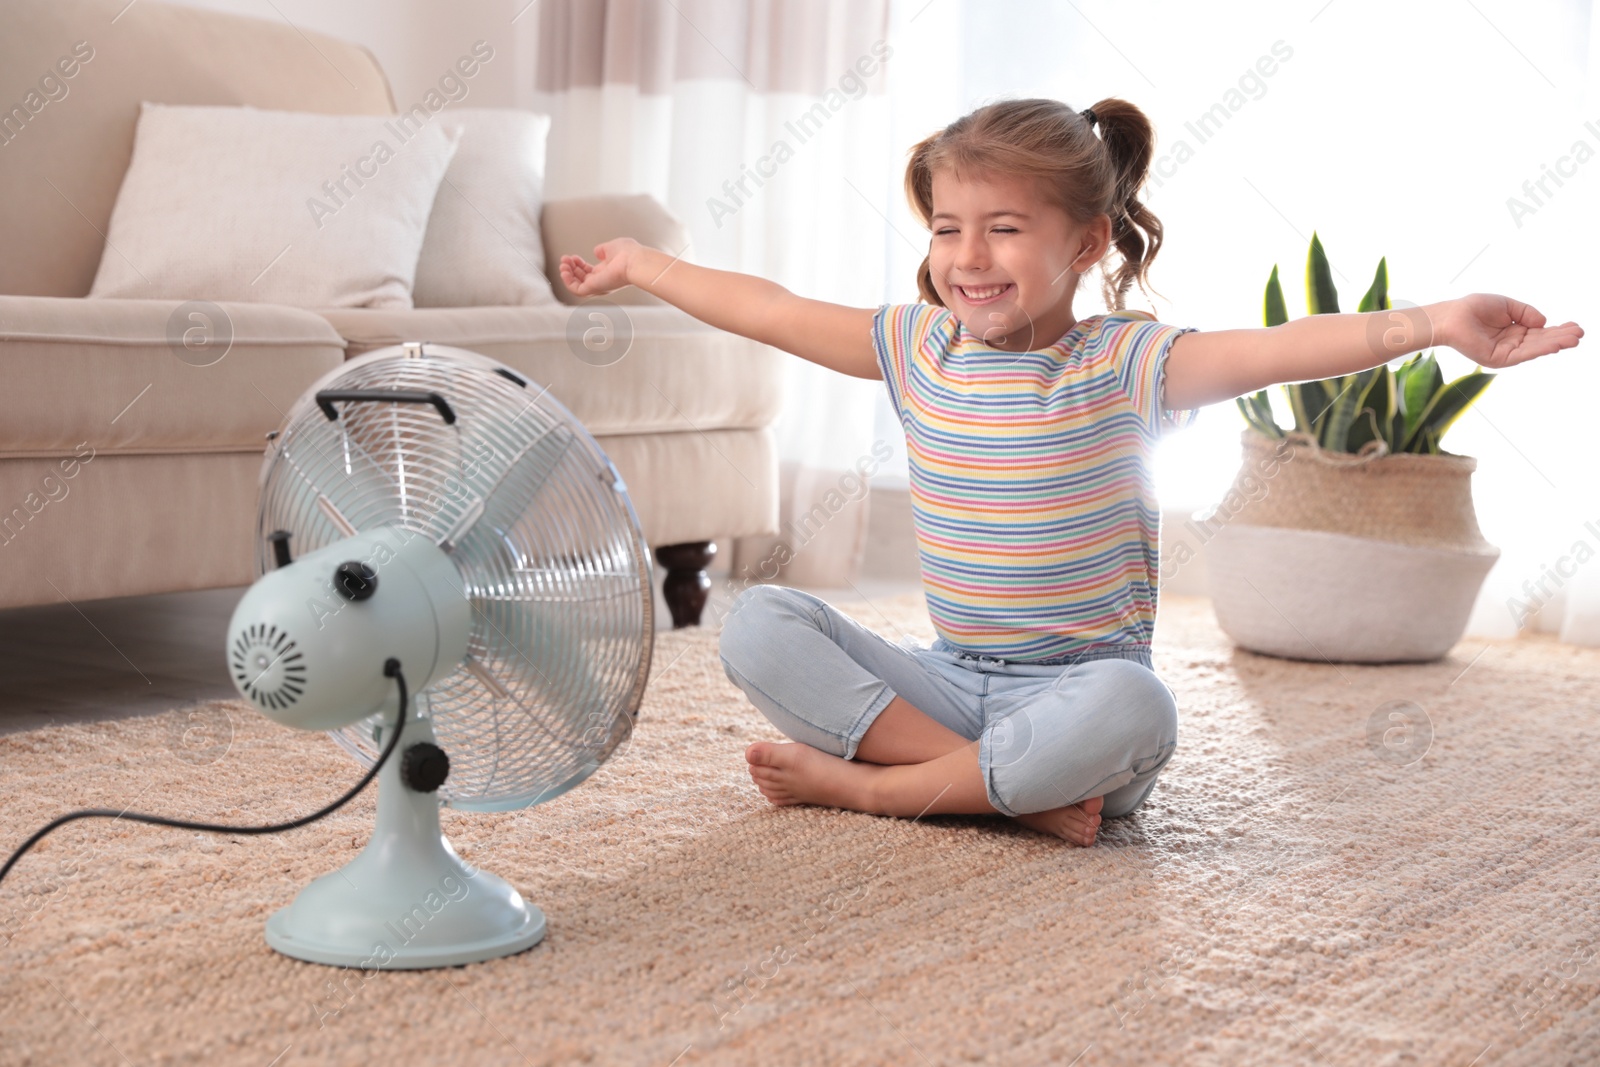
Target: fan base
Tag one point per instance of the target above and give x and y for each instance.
(385, 950)
(407, 901)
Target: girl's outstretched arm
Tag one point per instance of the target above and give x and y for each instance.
(835, 336)
(1493, 331)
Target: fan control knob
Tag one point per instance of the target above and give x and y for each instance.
(355, 580)
(424, 767)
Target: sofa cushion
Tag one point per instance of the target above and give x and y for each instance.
(126, 525)
(678, 374)
(483, 245)
(153, 376)
(62, 157)
(699, 486)
(575, 225)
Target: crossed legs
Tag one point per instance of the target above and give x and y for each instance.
(908, 765)
(878, 728)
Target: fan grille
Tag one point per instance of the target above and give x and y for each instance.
(545, 540)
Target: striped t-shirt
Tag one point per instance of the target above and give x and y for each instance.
(1035, 508)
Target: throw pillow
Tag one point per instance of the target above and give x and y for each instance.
(483, 247)
(283, 207)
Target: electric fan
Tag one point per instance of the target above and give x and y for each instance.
(424, 504)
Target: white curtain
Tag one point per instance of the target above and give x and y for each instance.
(763, 125)
(1580, 614)
(1412, 154)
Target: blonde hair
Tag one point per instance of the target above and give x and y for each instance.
(1080, 173)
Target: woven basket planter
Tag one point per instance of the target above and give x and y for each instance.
(1357, 558)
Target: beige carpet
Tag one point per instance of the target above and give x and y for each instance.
(1291, 894)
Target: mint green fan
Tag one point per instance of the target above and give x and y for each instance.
(426, 504)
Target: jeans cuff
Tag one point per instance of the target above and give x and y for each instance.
(868, 717)
(986, 769)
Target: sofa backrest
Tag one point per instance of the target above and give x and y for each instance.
(72, 75)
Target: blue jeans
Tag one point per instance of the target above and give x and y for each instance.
(1103, 724)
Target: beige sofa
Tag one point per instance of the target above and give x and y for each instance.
(126, 470)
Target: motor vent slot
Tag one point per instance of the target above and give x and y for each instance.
(268, 666)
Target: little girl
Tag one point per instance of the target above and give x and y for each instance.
(1028, 436)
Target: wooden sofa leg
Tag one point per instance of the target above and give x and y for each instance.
(687, 584)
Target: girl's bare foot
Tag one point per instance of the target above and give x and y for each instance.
(799, 774)
(793, 773)
(1077, 823)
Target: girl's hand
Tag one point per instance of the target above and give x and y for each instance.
(597, 279)
(1497, 331)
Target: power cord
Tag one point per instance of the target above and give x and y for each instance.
(391, 669)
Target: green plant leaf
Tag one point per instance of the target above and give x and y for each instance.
(1364, 429)
(1263, 409)
(1374, 380)
(1402, 374)
(1423, 381)
(1309, 401)
(1445, 408)
(1321, 297)
(1331, 389)
(1380, 401)
(1346, 397)
(1252, 415)
(1402, 381)
(1297, 407)
(1342, 411)
(1248, 412)
(1273, 309)
(1377, 298)
(1374, 410)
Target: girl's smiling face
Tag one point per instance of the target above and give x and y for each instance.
(1006, 262)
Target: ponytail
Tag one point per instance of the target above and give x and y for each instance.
(1136, 233)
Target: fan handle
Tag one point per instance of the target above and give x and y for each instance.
(326, 397)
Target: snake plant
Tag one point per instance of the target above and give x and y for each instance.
(1408, 407)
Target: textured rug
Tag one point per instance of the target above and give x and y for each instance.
(1341, 865)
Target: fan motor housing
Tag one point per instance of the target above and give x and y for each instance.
(308, 656)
